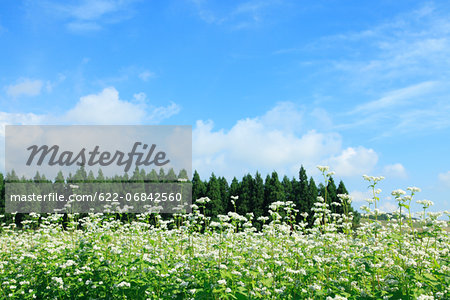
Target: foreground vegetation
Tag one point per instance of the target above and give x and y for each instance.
(192, 256)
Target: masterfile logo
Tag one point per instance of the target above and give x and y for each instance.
(95, 157)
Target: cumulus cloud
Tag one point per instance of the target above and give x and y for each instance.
(274, 142)
(444, 178)
(354, 161)
(24, 87)
(395, 171)
(15, 119)
(18, 119)
(107, 108)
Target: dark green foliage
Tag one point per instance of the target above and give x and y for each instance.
(232, 191)
(214, 207)
(255, 194)
(258, 196)
(198, 187)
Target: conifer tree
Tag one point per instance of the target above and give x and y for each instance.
(214, 207)
(258, 196)
(198, 187)
(232, 191)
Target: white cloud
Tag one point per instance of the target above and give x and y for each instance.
(359, 197)
(395, 171)
(83, 26)
(107, 108)
(164, 112)
(388, 206)
(395, 98)
(400, 69)
(146, 75)
(19, 119)
(244, 15)
(88, 15)
(354, 161)
(104, 108)
(15, 119)
(444, 178)
(271, 142)
(24, 87)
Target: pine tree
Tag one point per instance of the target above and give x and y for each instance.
(152, 176)
(313, 192)
(232, 191)
(302, 202)
(214, 207)
(274, 191)
(223, 193)
(245, 195)
(258, 196)
(100, 176)
(183, 174)
(287, 189)
(198, 187)
(161, 175)
(332, 195)
(171, 176)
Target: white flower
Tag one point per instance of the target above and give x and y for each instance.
(124, 283)
(425, 203)
(414, 189)
(323, 168)
(222, 282)
(425, 297)
(398, 193)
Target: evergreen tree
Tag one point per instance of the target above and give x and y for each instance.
(183, 174)
(245, 195)
(258, 196)
(232, 191)
(80, 174)
(312, 198)
(214, 207)
(142, 174)
(287, 189)
(90, 177)
(161, 175)
(303, 201)
(274, 191)
(267, 194)
(223, 193)
(100, 176)
(198, 187)
(152, 176)
(332, 195)
(171, 176)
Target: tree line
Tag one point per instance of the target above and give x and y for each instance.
(255, 194)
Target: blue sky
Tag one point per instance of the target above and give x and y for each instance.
(267, 85)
